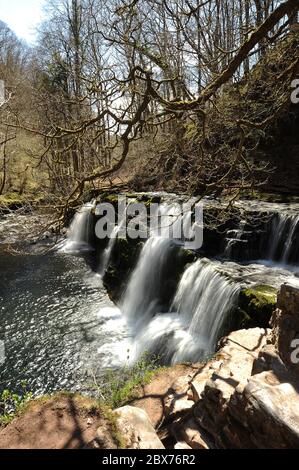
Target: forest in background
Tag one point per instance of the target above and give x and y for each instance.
(164, 94)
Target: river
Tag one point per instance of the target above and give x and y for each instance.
(59, 327)
(61, 330)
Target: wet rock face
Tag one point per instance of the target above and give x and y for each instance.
(285, 322)
(258, 303)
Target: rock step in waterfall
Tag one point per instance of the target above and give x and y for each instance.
(284, 238)
(274, 240)
(188, 326)
(81, 231)
(194, 323)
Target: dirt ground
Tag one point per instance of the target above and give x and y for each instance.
(153, 395)
(71, 422)
(65, 422)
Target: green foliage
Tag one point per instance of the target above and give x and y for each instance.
(12, 404)
(9, 199)
(111, 417)
(120, 386)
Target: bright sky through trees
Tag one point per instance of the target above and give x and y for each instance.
(22, 16)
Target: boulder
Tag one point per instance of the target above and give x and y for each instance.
(231, 369)
(268, 411)
(136, 427)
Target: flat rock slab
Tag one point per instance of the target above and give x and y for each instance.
(269, 409)
(232, 365)
(137, 428)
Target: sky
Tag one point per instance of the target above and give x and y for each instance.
(22, 16)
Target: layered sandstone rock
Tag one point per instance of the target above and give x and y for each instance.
(248, 395)
(234, 363)
(135, 425)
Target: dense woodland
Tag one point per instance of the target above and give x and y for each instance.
(168, 94)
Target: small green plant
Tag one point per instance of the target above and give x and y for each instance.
(12, 403)
(120, 386)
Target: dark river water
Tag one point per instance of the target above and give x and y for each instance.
(58, 325)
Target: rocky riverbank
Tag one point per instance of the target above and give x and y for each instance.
(246, 396)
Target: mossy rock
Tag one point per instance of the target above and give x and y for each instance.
(123, 261)
(111, 198)
(148, 199)
(258, 303)
(187, 257)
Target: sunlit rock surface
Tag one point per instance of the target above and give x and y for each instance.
(247, 396)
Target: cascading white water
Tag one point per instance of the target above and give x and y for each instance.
(204, 299)
(80, 231)
(233, 237)
(141, 300)
(202, 304)
(193, 330)
(283, 229)
(294, 223)
(108, 251)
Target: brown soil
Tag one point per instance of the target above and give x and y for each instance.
(59, 422)
(71, 422)
(153, 395)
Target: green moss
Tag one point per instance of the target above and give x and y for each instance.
(185, 258)
(14, 200)
(11, 198)
(111, 417)
(149, 200)
(258, 303)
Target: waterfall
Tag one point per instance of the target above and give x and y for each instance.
(107, 253)
(294, 224)
(200, 309)
(142, 298)
(144, 294)
(105, 261)
(277, 242)
(282, 240)
(234, 237)
(204, 300)
(80, 233)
